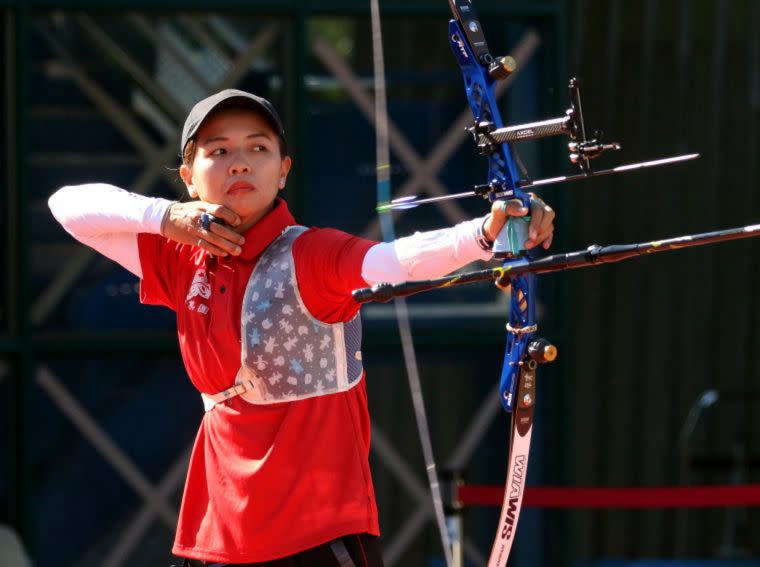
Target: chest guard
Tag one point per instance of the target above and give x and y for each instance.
(287, 354)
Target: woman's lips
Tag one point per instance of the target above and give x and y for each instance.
(240, 187)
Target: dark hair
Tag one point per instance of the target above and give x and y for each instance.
(188, 154)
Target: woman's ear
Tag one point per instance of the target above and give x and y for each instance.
(284, 170)
(187, 177)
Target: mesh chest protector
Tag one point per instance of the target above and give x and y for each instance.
(286, 353)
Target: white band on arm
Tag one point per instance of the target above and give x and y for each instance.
(425, 255)
(108, 219)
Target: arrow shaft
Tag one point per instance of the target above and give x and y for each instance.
(411, 202)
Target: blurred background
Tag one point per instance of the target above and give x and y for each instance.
(657, 382)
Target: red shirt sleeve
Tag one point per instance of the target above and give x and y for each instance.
(159, 261)
(328, 268)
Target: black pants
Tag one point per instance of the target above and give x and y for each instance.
(358, 550)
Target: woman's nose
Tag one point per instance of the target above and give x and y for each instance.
(239, 165)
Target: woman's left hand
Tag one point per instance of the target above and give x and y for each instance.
(541, 229)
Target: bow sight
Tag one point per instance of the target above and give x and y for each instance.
(582, 150)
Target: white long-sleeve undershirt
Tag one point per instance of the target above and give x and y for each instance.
(108, 219)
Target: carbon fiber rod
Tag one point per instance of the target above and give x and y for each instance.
(593, 255)
(524, 132)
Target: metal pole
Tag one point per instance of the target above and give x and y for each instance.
(705, 400)
(20, 257)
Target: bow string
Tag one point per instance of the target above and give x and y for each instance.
(383, 174)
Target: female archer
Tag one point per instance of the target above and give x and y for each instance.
(269, 335)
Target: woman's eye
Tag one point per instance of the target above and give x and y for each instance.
(219, 152)
(259, 148)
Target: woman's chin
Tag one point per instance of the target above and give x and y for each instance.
(250, 215)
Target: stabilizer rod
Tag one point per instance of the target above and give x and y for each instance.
(593, 255)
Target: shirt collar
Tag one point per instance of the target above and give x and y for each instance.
(263, 233)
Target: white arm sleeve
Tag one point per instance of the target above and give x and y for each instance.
(424, 255)
(108, 219)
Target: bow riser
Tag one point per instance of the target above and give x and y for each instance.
(481, 97)
(480, 72)
(522, 315)
(502, 173)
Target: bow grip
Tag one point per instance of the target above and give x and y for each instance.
(513, 235)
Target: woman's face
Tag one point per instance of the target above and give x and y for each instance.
(237, 164)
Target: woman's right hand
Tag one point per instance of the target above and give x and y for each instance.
(182, 223)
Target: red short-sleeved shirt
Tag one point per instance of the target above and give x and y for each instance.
(264, 481)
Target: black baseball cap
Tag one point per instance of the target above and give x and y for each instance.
(230, 98)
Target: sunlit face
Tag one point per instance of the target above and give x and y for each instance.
(237, 164)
